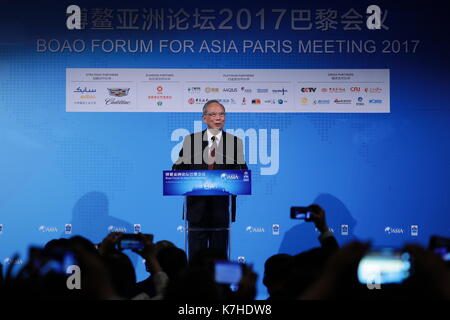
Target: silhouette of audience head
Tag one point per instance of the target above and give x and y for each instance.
(173, 261)
(325, 272)
(122, 273)
(277, 275)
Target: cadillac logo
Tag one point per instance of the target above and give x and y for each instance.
(118, 92)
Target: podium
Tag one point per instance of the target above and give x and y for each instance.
(207, 183)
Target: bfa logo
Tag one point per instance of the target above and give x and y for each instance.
(117, 229)
(390, 230)
(254, 229)
(73, 21)
(47, 229)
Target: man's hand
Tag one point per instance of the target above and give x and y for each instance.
(149, 250)
(431, 267)
(318, 217)
(109, 243)
(149, 253)
(247, 285)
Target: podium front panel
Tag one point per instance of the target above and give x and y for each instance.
(207, 182)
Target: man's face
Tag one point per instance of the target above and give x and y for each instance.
(215, 116)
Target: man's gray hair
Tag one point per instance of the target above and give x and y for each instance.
(205, 107)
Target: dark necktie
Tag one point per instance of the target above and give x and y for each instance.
(212, 153)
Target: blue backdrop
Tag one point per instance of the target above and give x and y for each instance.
(379, 174)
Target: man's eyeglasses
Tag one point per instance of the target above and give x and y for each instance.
(212, 115)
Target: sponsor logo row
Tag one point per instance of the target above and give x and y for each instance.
(360, 101)
(199, 90)
(342, 90)
(90, 93)
(283, 91)
(243, 102)
(118, 96)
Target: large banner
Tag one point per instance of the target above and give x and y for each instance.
(175, 90)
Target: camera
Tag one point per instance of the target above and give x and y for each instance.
(301, 213)
(227, 272)
(131, 241)
(384, 266)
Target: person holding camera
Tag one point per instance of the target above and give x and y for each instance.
(287, 276)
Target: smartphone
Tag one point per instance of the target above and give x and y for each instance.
(301, 213)
(130, 241)
(384, 266)
(440, 246)
(227, 272)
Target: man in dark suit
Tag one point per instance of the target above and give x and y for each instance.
(211, 149)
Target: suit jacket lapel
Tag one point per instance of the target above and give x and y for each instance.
(222, 147)
(204, 146)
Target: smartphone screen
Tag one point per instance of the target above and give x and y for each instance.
(131, 244)
(227, 272)
(300, 213)
(303, 216)
(384, 267)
